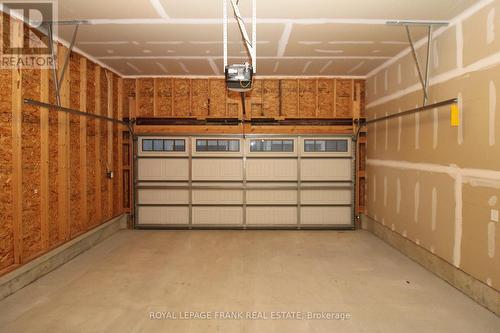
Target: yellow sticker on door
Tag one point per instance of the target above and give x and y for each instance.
(454, 115)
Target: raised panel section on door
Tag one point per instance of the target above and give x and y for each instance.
(326, 196)
(158, 215)
(214, 169)
(265, 196)
(326, 169)
(163, 196)
(163, 169)
(274, 215)
(326, 215)
(217, 196)
(218, 215)
(271, 169)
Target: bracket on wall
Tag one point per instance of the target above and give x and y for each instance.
(50, 33)
(424, 77)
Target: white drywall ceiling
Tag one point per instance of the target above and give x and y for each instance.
(315, 37)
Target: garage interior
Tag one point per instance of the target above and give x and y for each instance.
(250, 166)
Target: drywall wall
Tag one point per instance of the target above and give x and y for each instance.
(435, 184)
(53, 165)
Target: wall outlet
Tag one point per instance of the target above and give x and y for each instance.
(494, 215)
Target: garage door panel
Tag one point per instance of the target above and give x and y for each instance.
(320, 169)
(271, 169)
(163, 196)
(218, 215)
(271, 215)
(163, 215)
(272, 196)
(163, 169)
(337, 196)
(326, 215)
(217, 169)
(202, 196)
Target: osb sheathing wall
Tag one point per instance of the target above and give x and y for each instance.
(428, 181)
(53, 183)
(203, 98)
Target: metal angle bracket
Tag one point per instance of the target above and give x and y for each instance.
(250, 46)
(423, 77)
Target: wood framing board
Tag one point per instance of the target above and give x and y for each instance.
(7, 259)
(255, 96)
(44, 159)
(307, 98)
(270, 98)
(110, 146)
(31, 153)
(91, 147)
(289, 98)
(77, 223)
(63, 146)
(145, 98)
(238, 129)
(103, 158)
(16, 108)
(326, 91)
(182, 100)
(54, 234)
(118, 150)
(344, 97)
(217, 104)
(129, 92)
(83, 188)
(200, 97)
(163, 97)
(97, 158)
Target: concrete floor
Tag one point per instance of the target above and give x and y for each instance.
(114, 286)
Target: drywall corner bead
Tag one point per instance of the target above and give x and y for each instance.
(435, 127)
(417, 130)
(460, 135)
(400, 128)
(434, 209)
(490, 26)
(385, 191)
(491, 239)
(492, 113)
(386, 143)
(460, 45)
(386, 80)
(398, 195)
(399, 74)
(457, 245)
(417, 202)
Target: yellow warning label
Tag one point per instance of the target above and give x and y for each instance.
(454, 119)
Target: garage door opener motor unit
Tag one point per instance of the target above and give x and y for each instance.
(239, 76)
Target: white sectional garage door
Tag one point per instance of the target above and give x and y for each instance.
(256, 182)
